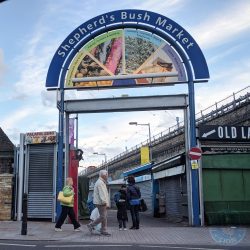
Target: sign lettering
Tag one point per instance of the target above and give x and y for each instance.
(164, 23)
(40, 137)
(224, 133)
(225, 149)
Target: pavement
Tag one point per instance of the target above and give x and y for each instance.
(152, 231)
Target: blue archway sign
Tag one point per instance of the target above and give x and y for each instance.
(182, 46)
(160, 25)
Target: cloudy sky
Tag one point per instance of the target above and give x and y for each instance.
(31, 32)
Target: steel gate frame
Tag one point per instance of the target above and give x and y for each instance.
(142, 103)
(182, 43)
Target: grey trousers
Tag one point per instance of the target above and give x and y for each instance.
(102, 219)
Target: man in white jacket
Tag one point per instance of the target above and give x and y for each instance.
(101, 200)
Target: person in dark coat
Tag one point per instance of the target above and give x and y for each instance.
(121, 203)
(133, 197)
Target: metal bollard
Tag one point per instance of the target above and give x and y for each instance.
(24, 217)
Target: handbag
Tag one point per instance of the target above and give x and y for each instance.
(143, 206)
(66, 200)
(134, 202)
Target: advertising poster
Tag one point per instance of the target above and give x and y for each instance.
(125, 51)
(145, 155)
(40, 137)
(71, 132)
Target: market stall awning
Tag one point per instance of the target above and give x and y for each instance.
(138, 170)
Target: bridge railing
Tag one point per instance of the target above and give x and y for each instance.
(219, 108)
(224, 106)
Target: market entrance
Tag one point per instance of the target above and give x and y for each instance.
(128, 49)
(126, 104)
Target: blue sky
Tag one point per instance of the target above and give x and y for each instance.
(31, 32)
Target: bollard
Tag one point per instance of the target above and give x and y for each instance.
(24, 217)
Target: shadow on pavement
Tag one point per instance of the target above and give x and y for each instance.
(146, 220)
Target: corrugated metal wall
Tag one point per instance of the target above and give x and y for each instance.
(226, 187)
(40, 180)
(174, 189)
(146, 193)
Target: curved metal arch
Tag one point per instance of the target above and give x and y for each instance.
(54, 71)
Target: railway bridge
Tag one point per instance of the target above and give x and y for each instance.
(224, 172)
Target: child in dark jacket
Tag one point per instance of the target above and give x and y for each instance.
(121, 203)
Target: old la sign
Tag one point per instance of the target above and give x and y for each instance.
(224, 133)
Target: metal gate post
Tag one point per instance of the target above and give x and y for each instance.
(25, 214)
(201, 189)
(55, 161)
(20, 178)
(67, 155)
(60, 149)
(194, 172)
(76, 131)
(188, 166)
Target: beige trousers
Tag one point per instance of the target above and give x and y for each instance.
(102, 219)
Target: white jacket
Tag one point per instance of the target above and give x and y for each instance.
(101, 195)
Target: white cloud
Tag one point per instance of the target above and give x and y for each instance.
(14, 135)
(161, 6)
(28, 119)
(48, 98)
(13, 120)
(236, 80)
(2, 66)
(223, 26)
(71, 14)
(33, 66)
(224, 54)
(117, 134)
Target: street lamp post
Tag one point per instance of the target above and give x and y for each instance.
(149, 136)
(178, 122)
(105, 156)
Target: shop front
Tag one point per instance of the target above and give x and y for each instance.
(36, 176)
(172, 197)
(226, 187)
